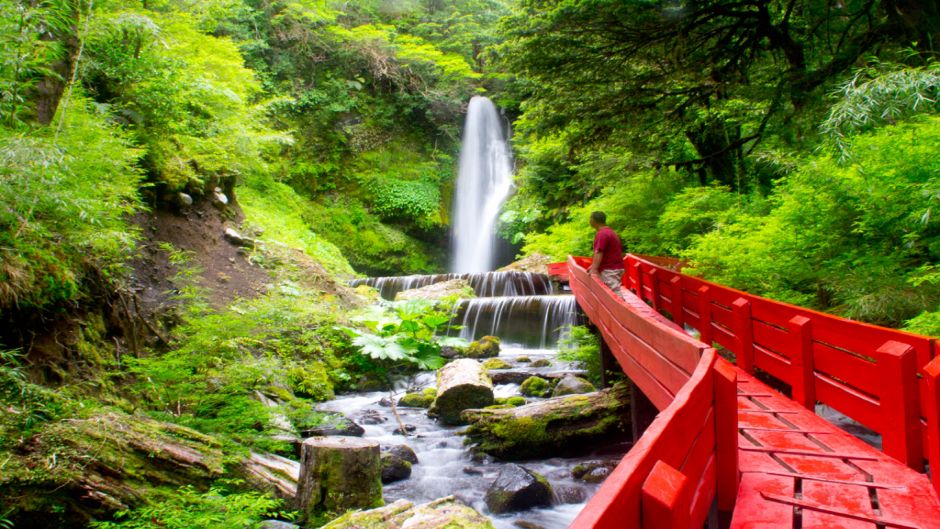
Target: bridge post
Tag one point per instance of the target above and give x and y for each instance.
(705, 316)
(654, 289)
(678, 314)
(804, 369)
(932, 413)
(665, 498)
(642, 411)
(726, 435)
(900, 409)
(744, 334)
(609, 364)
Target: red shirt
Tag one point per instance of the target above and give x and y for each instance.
(607, 242)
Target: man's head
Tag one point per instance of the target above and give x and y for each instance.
(598, 220)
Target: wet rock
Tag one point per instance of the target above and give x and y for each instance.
(338, 474)
(486, 347)
(184, 199)
(522, 524)
(218, 196)
(560, 426)
(404, 452)
(572, 385)
(335, 424)
(423, 399)
(535, 387)
(385, 402)
(593, 471)
(517, 376)
(454, 287)
(372, 417)
(471, 471)
(523, 360)
(541, 362)
(517, 489)
(570, 494)
(409, 428)
(444, 512)
(394, 468)
(451, 352)
(495, 363)
(462, 384)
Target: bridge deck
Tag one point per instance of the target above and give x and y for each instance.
(798, 470)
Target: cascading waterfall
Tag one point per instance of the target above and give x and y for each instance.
(486, 284)
(484, 181)
(530, 320)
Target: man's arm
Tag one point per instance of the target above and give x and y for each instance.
(596, 263)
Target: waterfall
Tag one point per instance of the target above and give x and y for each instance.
(527, 320)
(484, 181)
(488, 284)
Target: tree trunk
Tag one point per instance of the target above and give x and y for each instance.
(461, 385)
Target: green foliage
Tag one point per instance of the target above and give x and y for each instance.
(189, 508)
(26, 405)
(581, 345)
(403, 334)
(849, 238)
(63, 207)
(535, 387)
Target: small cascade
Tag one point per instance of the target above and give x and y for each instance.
(486, 284)
(529, 320)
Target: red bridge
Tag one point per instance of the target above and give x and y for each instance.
(725, 448)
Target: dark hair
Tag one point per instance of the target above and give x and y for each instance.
(599, 217)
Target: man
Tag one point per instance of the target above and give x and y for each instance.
(608, 253)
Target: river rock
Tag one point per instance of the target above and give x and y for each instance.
(559, 426)
(517, 489)
(335, 424)
(394, 468)
(277, 524)
(423, 399)
(570, 494)
(593, 471)
(495, 363)
(462, 384)
(236, 239)
(371, 417)
(541, 362)
(535, 387)
(517, 376)
(446, 512)
(454, 287)
(338, 474)
(572, 385)
(486, 347)
(402, 451)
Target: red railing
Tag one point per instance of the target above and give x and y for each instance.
(687, 458)
(887, 380)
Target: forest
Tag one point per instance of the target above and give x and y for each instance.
(187, 188)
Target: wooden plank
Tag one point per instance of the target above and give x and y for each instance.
(843, 398)
(772, 338)
(851, 370)
(850, 498)
(753, 511)
(704, 494)
(931, 406)
(772, 363)
(666, 498)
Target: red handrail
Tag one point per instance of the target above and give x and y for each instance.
(875, 375)
(688, 456)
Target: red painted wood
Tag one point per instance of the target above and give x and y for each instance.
(743, 330)
(726, 436)
(901, 433)
(667, 495)
(803, 379)
(932, 412)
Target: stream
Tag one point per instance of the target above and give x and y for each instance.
(529, 326)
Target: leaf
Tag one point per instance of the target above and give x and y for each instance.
(380, 347)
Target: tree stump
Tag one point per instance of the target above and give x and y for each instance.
(337, 474)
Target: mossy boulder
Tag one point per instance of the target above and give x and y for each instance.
(517, 489)
(416, 400)
(541, 362)
(495, 363)
(516, 401)
(462, 384)
(560, 426)
(535, 387)
(443, 513)
(572, 385)
(396, 462)
(523, 360)
(486, 347)
(333, 423)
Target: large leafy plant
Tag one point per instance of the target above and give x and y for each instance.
(404, 334)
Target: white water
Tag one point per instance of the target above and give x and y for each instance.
(486, 284)
(531, 320)
(484, 181)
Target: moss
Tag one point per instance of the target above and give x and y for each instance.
(485, 347)
(523, 360)
(310, 380)
(495, 363)
(516, 401)
(430, 392)
(416, 400)
(541, 362)
(535, 387)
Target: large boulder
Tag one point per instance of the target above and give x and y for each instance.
(535, 387)
(561, 426)
(447, 512)
(572, 385)
(486, 347)
(444, 289)
(338, 474)
(517, 489)
(462, 384)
